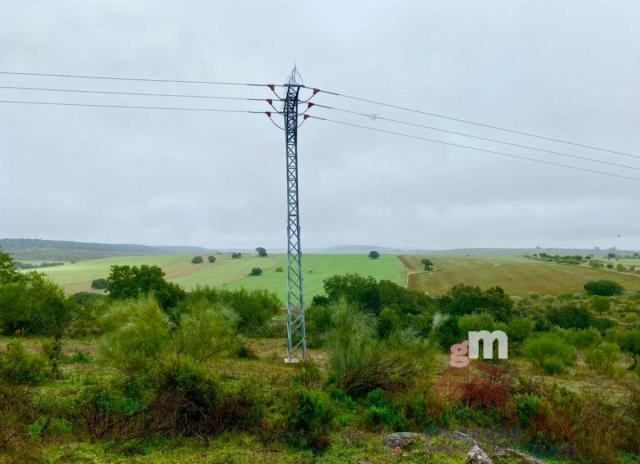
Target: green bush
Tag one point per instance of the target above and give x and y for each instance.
(197, 260)
(553, 365)
(381, 411)
(388, 322)
(359, 362)
(253, 307)
(476, 322)
(206, 330)
(602, 358)
(549, 352)
(603, 288)
(526, 407)
(139, 335)
(211, 259)
(99, 284)
(307, 416)
(256, 271)
(519, 328)
(19, 367)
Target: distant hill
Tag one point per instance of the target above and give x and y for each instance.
(463, 251)
(58, 250)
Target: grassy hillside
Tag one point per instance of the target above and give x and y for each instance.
(25, 249)
(234, 273)
(517, 275)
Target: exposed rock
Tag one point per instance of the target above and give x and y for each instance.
(476, 455)
(401, 439)
(524, 457)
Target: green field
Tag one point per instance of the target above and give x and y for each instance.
(517, 275)
(234, 273)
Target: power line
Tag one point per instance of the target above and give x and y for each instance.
(138, 79)
(171, 108)
(469, 147)
(477, 137)
(481, 124)
(143, 94)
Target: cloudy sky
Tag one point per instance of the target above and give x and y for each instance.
(566, 69)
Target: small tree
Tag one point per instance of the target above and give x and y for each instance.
(256, 271)
(629, 342)
(611, 256)
(262, 252)
(211, 259)
(99, 284)
(600, 304)
(427, 263)
(236, 255)
(197, 260)
(373, 254)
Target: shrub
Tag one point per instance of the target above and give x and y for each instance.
(361, 363)
(602, 358)
(99, 284)
(139, 335)
(206, 330)
(549, 352)
(488, 390)
(197, 260)
(256, 271)
(380, 411)
(527, 408)
(373, 254)
(520, 328)
(19, 367)
(476, 322)
(603, 288)
(388, 322)
(31, 304)
(581, 338)
(318, 320)
(211, 259)
(185, 395)
(236, 255)
(253, 307)
(569, 317)
(307, 416)
(279, 269)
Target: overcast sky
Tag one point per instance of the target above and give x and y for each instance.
(568, 69)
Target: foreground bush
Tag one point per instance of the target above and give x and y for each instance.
(549, 352)
(307, 416)
(360, 362)
(19, 367)
(181, 397)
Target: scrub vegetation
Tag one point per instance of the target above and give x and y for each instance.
(150, 371)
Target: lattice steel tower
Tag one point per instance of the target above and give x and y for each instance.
(296, 336)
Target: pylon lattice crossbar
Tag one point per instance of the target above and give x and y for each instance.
(296, 336)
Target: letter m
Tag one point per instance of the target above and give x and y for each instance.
(488, 338)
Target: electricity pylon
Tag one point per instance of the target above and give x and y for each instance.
(296, 336)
